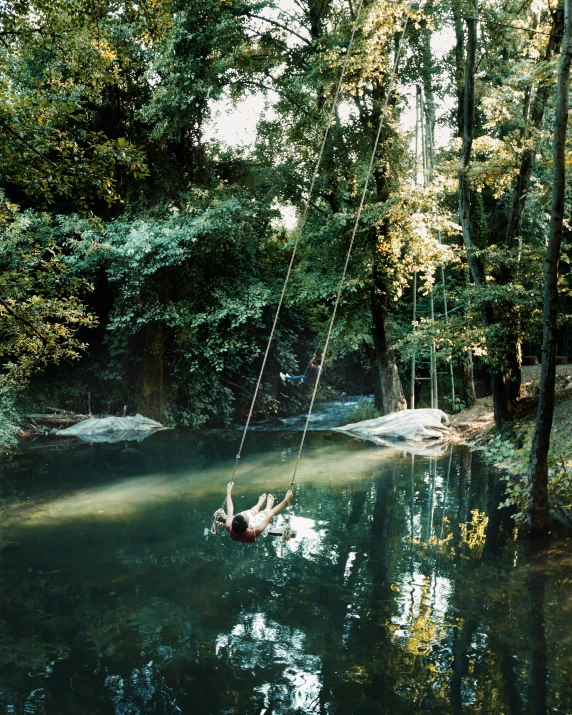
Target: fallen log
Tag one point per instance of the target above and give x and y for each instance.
(56, 420)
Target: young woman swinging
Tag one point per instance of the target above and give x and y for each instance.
(248, 525)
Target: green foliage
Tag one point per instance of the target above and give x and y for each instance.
(40, 311)
(191, 63)
(560, 470)
(57, 64)
(200, 271)
(511, 453)
(363, 412)
(9, 420)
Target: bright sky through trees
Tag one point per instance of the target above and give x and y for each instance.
(234, 124)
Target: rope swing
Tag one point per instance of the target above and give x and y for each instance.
(300, 232)
(302, 225)
(288, 529)
(352, 240)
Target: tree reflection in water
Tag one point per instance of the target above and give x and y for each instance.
(406, 592)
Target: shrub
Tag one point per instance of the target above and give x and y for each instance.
(9, 421)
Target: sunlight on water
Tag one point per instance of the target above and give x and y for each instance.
(255, 640)
(309, 539)
(259, 473)
(404, 590)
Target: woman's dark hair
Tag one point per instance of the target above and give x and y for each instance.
(239, 524)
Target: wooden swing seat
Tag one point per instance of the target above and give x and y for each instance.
(279, 531)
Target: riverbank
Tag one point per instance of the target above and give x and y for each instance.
(476, 422)
(475, 427)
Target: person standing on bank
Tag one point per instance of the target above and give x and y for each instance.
(310, 377)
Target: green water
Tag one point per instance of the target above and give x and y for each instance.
(405, 591)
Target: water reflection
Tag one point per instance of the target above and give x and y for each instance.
(405, 591)
(124, 498)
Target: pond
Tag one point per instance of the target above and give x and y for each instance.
(405, 590)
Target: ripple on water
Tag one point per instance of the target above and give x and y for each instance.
(405, 590)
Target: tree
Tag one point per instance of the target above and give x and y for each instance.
(57, 63)
(466, 212)
(538, 515)
(41, 307)
(378, 266)
(502, 145)
(194, 286)
(533, 113)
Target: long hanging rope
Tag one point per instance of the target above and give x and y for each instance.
(300, 231)
(302, 225)
(349, 253)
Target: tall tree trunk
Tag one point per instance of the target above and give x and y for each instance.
(151, 399)
(534, 120)
(391, 389)
(502, 406)
(470, 394)
(374, 364)
(392, 396)
(538, 516)
(459, 68)
(533, 117)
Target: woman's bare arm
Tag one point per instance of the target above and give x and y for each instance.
(278, 508)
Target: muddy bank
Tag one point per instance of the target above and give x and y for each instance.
(476, 422)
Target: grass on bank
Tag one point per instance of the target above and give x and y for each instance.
(366, 411)
(511, 452)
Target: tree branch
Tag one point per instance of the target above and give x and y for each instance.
(15, 134)
(301, 6)
(317, 208)
(282, 27)
(23, 320)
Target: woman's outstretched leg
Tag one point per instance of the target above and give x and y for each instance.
(258, 507)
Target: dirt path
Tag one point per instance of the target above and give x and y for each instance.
(478, 419)
(473, 421)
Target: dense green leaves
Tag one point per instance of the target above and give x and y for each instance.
(103, 154)
(41, 309)
(201, 270)
(58, 65)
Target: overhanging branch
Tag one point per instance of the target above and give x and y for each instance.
(23, 320)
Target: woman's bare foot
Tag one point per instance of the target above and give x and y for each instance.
(270, 502)
(261, 500)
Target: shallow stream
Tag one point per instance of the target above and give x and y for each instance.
(404, 592)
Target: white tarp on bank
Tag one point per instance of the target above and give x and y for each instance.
(407, 425)
(426, 448)
(112, 429)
